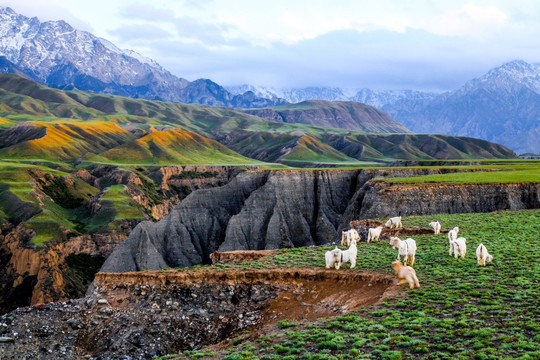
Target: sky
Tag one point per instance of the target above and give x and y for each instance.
(429, 45)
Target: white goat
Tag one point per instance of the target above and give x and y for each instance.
(395, 221)
(348, 236)
(406, 248)
(374, 233)
(405, 274)
(460, 247)
(436, 226)
(482, 255)
(332, 258)
(348, 255)
(452, 235)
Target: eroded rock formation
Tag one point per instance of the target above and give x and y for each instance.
(273, 209)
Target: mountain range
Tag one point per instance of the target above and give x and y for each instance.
(50, 124)
(56, 54)
(501, 106)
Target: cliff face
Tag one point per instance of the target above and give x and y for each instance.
(446, 199)
(32, 275)
(274, 209)
(154, 313)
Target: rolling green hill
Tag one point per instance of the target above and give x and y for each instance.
(172, 147)
(71, 124)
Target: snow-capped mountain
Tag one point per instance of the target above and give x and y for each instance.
(377, 98)
(509, 76)
(380, 98)
(55, 54)
(502, 106)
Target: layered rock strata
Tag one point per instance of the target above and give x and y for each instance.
(260, 210)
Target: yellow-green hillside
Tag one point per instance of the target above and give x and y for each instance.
(174, 147)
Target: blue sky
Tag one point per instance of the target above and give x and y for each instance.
(385, 44)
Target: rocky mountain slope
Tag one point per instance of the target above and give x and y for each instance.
(337, 114)
(55, 226)
(274, 209)
(501, 106)
(56, 54)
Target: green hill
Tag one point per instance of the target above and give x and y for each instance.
(172, 147)
(338, 114)
(71, 124)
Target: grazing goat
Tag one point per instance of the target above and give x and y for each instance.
(395, 221)
(482, 255)
(348, 255)
(374, 233)
(452, 235)
(405, 274)
(436, 226)
(332, 258)
(348, 236)
(459, 246)
(406, 248)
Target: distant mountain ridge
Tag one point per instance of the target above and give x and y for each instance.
(55, 54)
(501, 106)
(337, 114)
(376, 98)
(44, 123)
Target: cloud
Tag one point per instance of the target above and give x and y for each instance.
(471, 20)
(140, 33)
(146, 12)
(413, 59)
(206, 33)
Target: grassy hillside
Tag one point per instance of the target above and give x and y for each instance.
(338, 114)
(50, 200)
(119, 120)
(65, 140)
(171, 147)
(313, 150)
(461, 311)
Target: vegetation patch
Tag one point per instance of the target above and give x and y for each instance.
(80, 272)
(461, 311)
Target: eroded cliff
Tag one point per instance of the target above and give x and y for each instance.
(273, 209)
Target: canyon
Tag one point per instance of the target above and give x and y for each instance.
(261, 210)
(229, 208)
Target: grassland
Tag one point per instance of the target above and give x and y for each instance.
(494, 172)
(58, 207)
(123, 204)
(462, 311)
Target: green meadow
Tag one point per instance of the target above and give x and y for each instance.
(461, 310)
(495, 172)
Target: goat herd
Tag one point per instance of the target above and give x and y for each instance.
(406, 249)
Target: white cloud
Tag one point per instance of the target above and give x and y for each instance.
(471, 20)
(387, 43)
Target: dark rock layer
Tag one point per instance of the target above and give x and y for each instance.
(274, 209)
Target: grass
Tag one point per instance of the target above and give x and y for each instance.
(462, 311)
(517, 172)
(124, 206)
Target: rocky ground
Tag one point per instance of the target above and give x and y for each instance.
(140, 315)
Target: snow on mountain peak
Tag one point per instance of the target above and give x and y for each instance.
(508, 76)
(44, 47)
